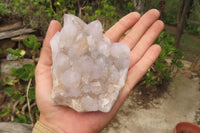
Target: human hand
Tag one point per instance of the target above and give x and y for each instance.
(142, 34)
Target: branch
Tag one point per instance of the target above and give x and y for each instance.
(24, 108)
(33, 104)
(13, 109)
(28, 102)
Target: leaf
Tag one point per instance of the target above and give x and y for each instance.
(4, 112)
(9, 50)
(9, 91)
(17, 95)
(179, 53)
(16, 53)
(22, 100)
(198, 29)
(32, 42)
(98, 12)
(25, 11)
(153, 82)
(37, 13)
(173, 61)
(16, 72)
(13, 72)
(165, 74)
(35, 110)
(10, 82)
(179, 64)
(26, 72)
(31, 93)
(20, 119)
(160, 66)
(88, 9)
(28, 118)
(130, 6)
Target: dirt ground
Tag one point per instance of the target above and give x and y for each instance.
(180, 101)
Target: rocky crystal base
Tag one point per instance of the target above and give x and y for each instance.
(88, 70)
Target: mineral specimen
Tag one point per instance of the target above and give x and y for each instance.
(88, 70)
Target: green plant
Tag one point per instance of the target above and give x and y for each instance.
(16, 53)
(130, 6)
(9, 91)
(32, 43)
(170, 18)
(21, 90)
(163, 69)
(6, 111)
(104, 12)
(38, 13)
(8, 81)
(3, 9)
(198, 29)
(26, 72)
(171, 11)
(193, 28)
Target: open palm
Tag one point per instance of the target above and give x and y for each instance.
(143, 32)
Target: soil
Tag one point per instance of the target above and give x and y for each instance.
(6, 20)
(157, 110)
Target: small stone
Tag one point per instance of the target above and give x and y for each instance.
(88, 70)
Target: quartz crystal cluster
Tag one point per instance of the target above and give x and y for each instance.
(88, 70)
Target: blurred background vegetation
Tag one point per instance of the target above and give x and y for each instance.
(179, 40)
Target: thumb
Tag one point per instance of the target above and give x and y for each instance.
(43, 74)
(46, 54)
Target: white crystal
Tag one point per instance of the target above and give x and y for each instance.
(88, 70)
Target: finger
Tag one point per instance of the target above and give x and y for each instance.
(137, 72)
(45, 55)
(140, 28)
(117, 30)
(43, 69)
(54, 26)
(141, 67)
(44, 82)
(146, 41)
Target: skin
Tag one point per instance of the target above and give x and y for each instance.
(143, 30)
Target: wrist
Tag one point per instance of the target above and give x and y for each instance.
(41, 128)
(60, 127)
(50, 125)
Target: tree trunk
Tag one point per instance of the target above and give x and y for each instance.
(139, 5)
(185, 8)
(181, 6)
(161, 8)
(79, 8)
(52, 5)
(147, 5)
